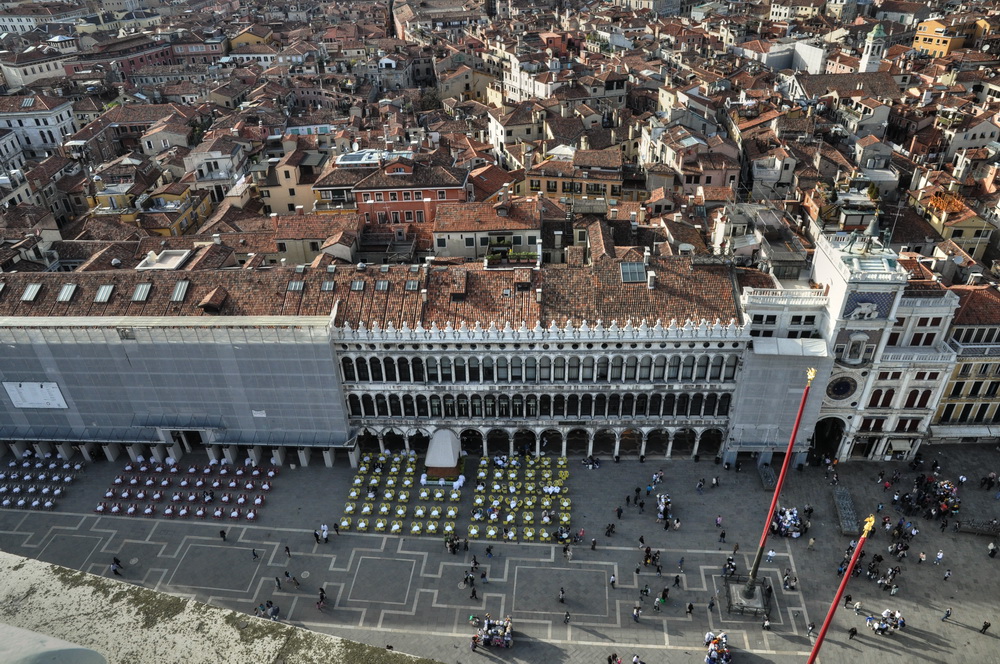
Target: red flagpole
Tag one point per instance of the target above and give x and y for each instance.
(869, 522)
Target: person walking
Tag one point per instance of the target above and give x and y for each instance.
(812, 543)
(690, 609)
(947, 614)
(722, 536)
(322, 599)
(474, 595)
(325, 531)
(114, 568)
(986, 626)
(770, 555)
(277, 583)
(680, 564)
(316, 535)
(857, 608)
(921, 558)
(677, 581)
(253, 552)
(618, 512)
(939, 557)
(566, 618)
(222, 534)
(718, 521)
(711, 603)
(947, 574)
(289, 577)
(810, 628)
(847, 600)
(635, 614)
(612, 582)
(118, 562)
(336, 529)
(288, 552)
(766, 624)
(562, 596)
(852, 632)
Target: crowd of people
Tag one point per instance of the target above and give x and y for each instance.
(718, 648)
(888, 622)
(787, 522)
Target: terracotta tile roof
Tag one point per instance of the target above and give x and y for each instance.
(522, 214)
(315, 226)
(979, 305)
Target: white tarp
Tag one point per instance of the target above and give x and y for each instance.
(444, 449)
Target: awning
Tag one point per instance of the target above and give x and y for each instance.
(965, 431)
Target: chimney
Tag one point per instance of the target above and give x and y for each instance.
(283, 261)
(538, 295)
(151, 257)
(300, 210)
(645, 256)
(274, 221)
(584, 142)
(423, 294)
(217, 238)
(650, 280)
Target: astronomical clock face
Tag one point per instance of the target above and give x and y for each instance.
(841, 387)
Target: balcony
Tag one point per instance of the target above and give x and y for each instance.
(785, 297)
(215, 176)
(341, 205)
(919, 356)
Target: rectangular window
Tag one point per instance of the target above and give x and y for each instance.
(442, 243)
(291, 192)
(441, 195)
(470, 241)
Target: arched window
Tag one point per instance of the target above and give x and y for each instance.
(531, 406)
(354, 406)
(876, 399)
(669, 404)
(545, 370)
(516, 369)
(696, 402)
(503, 406)
(460, 376)
(422, 409)
(559, 406)
(586, 406)
(382, 405)
(614, 405)
(645, 368)
(687, 368)
(488, 369)
(573, 405)
(674, 368)
(517, 406)
(449, 405)
(602, 369)
(362, 368)
(711, 403)
(474, 369)
(731, 363)
(403, 369)
(588, 369)
(477, 405)
(628, 405)
(490, 406)
(408, 408)
(531, 370)
(347, 368)
(376, 369)
(887, 398)
(716, 372)
(655, 402)
(502, 374)
(418, 370)
(559, 370)
(435, 403)
(660, 368)
(723, 405)
(369, 405)
(445, 370)
(600, 406)
(390, 369)
(545, 406)
(463, 405)
(924, 398)
(641, 405)
(432, 370)
(701, 370)
(395, 409)
(616, 369)
(574, 369)
(682, 405)
(631, 368)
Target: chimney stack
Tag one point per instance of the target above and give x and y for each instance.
(300, 210)
(217, 238)
(650, 280)
(538, 295)
(423, 294)
(645, 256)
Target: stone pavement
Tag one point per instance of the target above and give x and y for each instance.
(405, 591)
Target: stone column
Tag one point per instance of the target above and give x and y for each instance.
(256, 454)
(65, 450)
(90, 451)
(329, 456)
(42, 448)
(158, 451)
(112, 451)
(278, 456)
(304, 454)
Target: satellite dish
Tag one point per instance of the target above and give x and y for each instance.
(355, 147)
(958, 260)
(986, 47)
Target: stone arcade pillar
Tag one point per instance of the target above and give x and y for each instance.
(65, 451)
(91, 452)
(232, 454)
(42, 448)
(112, 450)
(305, 452)
(278, 456)
(329, 456)
(354, 456)
(214, 452)
(20, 447)
(256, 454)
(135, 450)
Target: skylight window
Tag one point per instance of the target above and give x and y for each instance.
(30, 292)
(357, 285)
(411, 284)
(633, 273)
(382, 285)
(66, 293)
(180, 290)
(104, 293)
(328, 286)
(141, 292)
(296, 285)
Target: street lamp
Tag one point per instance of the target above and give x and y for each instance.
(751, 586)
